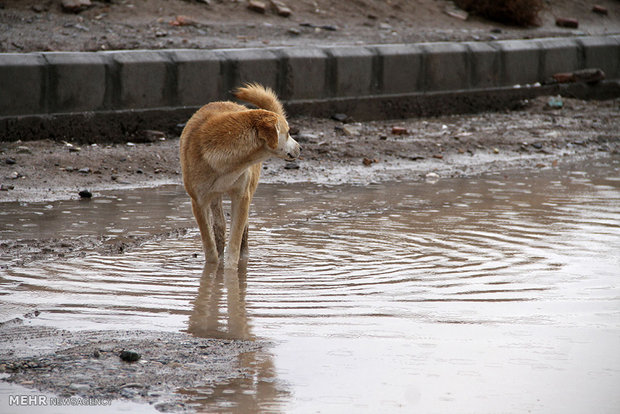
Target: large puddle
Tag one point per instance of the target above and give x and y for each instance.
(485, 295)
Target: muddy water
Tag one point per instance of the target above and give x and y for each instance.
(493, 294)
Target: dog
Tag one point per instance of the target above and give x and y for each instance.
(222, 148)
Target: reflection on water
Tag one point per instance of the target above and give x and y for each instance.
(207, 319)
(219, 311)
(469, 293)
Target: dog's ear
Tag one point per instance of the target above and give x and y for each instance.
(267, 129)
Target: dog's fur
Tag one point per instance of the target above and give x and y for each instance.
(222, 149)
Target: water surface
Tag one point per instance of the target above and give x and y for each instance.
(485, 295)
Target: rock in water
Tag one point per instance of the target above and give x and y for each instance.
(130, 356)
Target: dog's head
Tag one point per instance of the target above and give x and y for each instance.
(274, 130)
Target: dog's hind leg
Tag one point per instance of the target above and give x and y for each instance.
(219, 224)
(205, 224)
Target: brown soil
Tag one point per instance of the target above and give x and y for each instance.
(41, 25)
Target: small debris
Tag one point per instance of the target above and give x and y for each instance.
(396, 130)
(10, 161)
(496, 150)
(85, 194)
(415, 158)
(24, 150)
(85, 170)
(555, 102)
(304, 138)
(129, 356)
(39, 8)
(368, 161)
(75, 6)
(453, 11)
(79, 387)
(293, 31)
(329, 27)
(291, 166)
(183, 21)
(438, 156)
(150, 135)
(257, 6)
(6, 187)
(598, 9)
(583, 75)
(566, 22)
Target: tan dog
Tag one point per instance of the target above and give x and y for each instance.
(222, 148)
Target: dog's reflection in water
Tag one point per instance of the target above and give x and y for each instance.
(208, 319)
(220, 312)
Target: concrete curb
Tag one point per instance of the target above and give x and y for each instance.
(89, 91)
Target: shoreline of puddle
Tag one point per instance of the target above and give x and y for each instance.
(461, 269)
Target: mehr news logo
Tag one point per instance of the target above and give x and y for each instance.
(44, 400)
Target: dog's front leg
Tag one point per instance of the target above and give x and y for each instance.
(240, 207)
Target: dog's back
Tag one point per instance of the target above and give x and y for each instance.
(264, 98)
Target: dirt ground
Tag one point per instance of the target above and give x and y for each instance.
(41, 25)
(333, 151)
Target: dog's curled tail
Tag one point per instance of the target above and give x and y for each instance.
(264, 98)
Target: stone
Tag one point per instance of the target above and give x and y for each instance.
(257, 6)
(352, 129)
(598, 9)
(75, 6)
(340, 117)
(85, 194)
(396, 130)
(567, 22)
(281, 8)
